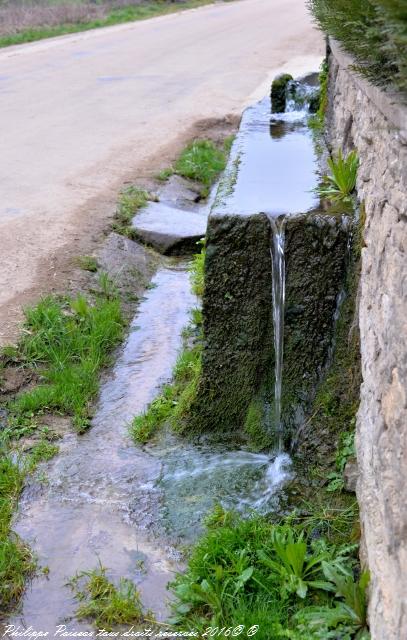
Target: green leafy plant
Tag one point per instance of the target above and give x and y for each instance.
(346, 450)
(295, 569)
(104, 603)
(350, 611)
(340, 185)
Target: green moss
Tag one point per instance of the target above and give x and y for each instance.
(279, 92)
(334, 408)
(255, 426)
(317, 121)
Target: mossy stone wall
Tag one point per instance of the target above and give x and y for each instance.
(238, 355)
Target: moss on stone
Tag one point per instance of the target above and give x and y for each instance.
(279, 92)
(238, 354)
(255, 426)
(337, 398)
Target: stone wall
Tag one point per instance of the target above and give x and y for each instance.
(375, 123)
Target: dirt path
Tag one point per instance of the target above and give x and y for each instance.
(82, 114)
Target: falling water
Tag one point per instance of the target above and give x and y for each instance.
(278, 287)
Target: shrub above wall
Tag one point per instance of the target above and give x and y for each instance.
(374, 32)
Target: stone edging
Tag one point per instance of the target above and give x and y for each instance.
(389, 104)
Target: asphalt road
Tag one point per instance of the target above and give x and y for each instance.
(80, 114)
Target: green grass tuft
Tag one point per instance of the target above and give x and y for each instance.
(201, 161)
(40, 452)
(103, 603)
(88, 263)
(130, 201)
(67, 342)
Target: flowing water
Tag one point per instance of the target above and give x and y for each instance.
(278, 288)
(107, 500)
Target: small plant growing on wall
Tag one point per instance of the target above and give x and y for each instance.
(340, 185)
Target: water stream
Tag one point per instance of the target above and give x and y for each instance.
(106, 499)
(278, 288)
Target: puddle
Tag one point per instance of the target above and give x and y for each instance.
(272, 167)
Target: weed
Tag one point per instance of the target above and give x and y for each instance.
(88, 263)
(201, 161)
(104, 603)
(340, 185)
(345, 451)
(131, 200)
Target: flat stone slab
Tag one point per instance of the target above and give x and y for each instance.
(170, 230)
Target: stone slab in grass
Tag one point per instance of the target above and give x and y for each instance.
(170, 230)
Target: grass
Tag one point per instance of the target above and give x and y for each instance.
(341, 184)
(373, 32)
(104, 603)
(283, 577)
(16, 561)
(67, 342)
(131, 200)
(174, 401)
(87, 263)
(40, 452)
(120, 15)
(201, 161)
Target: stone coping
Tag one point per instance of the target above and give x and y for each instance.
(391, 104)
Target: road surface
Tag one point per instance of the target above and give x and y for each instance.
(83, 113)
